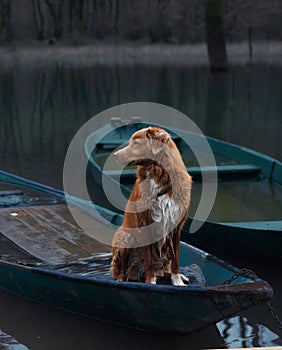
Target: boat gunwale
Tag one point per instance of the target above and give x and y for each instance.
(258, 286)
(82, 204)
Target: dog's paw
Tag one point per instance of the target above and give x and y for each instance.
(152, 280)
(121, 277)
(178, 279)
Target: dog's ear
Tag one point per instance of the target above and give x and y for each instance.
(158, 135)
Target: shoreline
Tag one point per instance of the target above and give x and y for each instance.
(132, 53)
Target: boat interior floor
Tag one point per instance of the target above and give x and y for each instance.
(48, 233)
(47, 236)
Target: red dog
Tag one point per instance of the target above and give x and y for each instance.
(163, 187)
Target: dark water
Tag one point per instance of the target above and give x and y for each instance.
(235, 201)
(41, 108)
(243, 201)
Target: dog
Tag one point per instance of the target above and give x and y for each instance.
(146, 246)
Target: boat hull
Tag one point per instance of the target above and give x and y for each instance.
(143, 307)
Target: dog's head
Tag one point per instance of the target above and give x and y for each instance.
(144, 146)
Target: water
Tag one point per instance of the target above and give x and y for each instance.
(235, 201)
(243, 201)
(41, 108)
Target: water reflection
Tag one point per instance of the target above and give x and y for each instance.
(241, 332)
(42, 108)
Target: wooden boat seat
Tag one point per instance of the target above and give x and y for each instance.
(238, 170)
(48, 233)
(223, 171)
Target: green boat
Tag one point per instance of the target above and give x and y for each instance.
(246, 216)
(46, 257)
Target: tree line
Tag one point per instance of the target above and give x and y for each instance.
(150, 21)
(176, 21)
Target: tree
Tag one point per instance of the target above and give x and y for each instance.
(38, 18)
(252, 14)
(55, 9)
(215, 35)
(5, 21)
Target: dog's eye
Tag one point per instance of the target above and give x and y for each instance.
(135, 142)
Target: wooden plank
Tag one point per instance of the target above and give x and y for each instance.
(226, 169)
(239, 170)
(48, 233)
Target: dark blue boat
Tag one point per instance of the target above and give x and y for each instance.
(246, 217)
(46, 257)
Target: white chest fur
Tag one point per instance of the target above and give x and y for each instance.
(164, 209)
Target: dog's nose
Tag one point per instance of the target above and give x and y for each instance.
(116, 154)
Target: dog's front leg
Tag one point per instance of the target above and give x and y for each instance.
(177, 279)
(149, 270)
(119, 264)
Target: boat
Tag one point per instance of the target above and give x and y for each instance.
(246, 216)
(46, 257)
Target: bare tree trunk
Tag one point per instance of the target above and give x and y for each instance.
(116, 18)
(215, 35)
(56, 14)
(5, 21)
(250, 44)
(70, 25)
(38, 18)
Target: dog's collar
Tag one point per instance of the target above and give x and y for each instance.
(165, 190)
(141, 162)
